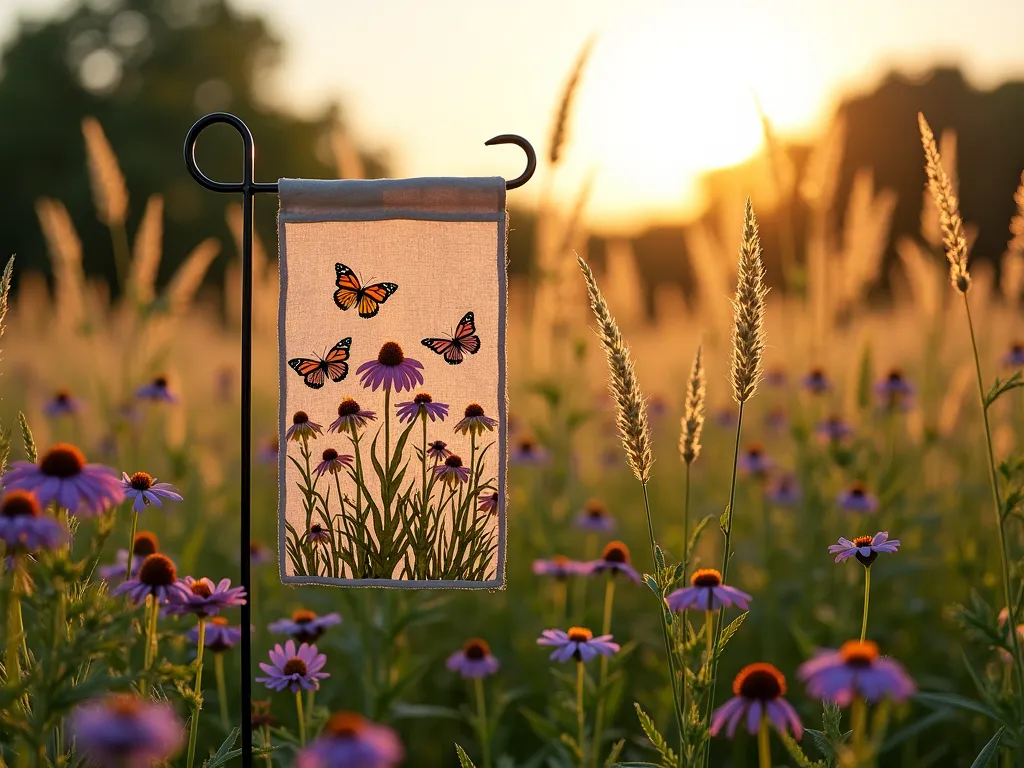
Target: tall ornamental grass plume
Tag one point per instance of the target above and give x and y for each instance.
(748, 336)
(561, 126)
(953, 237)
(693, 415)
(630, 406)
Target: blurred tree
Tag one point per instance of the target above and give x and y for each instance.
(146, 69)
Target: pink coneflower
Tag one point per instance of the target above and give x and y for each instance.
(24, 527)
(332, 462)
(422, 405)
(302, 428)
(474, 659)
(351, 418)
(577, 644)
(294, 668)
(157, 391)
(1014, 357)
(305, 626)
(144, 490)
(559, 566)
(317, 534)
(63, 477)
(352, 741)
(595, 517)
(855, 669)
(614, 559)
(707, 593)
(783, 491)
(488, 503)
(527, 451)
(438, 451)
(452, 471)
(864, 548)
(754, 461)
(834, 429)
(125, 731)
(474, 422)
(857, 499)
(758, 692)
(391, 370)
(144, 545)
(894, 391)
(157, 576)
(202, 597)
(220, 636)
(63, 403)
(816, 382)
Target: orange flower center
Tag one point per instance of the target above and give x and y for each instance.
(422, 398)
(63, 460)
(157, 571)
(145, 544)
(580, 634)
(345, 725)
(706, 577)
(391, 355)
(295, 666)
(330, 454)
(863, 541)
(300, 417)
(220, 621)
(302, 616)
(20, 504)
(595, 509)
(201, 589)
(473, 411)
(123, 705)
(141, 481)
(615, 552)
(759, 681)
(348, 407)
(859, 654)
(453, 461)
(476, 649)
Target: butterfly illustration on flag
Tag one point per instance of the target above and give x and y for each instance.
(351, 292)
(331, 366)
(463, 340)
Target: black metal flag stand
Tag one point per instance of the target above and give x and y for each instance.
(249, 188)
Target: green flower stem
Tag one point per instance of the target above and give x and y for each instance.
(606, 628)
(867, 600)
(222, 691)
(302, 718)
(483, 731)
(14, 632)
(709, 634)
(858, 723)
(310, 698)
(423, 493)
(1004, 548)
(197, 690)
(387, 431)
(153, 606)
(266, 743)
(131, 544)
(579, 711)
(764, 747)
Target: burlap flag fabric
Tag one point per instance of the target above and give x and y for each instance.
(393, 394)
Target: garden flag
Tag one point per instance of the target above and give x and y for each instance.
(393, 394)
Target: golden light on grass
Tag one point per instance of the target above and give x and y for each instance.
(941, 186)
(748, 336)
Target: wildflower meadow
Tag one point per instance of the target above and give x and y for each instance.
(770, 527)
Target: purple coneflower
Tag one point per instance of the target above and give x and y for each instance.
(707, 593)
(474, 659)
(595, 517)
(527, 451)
(156, 391)
(220, 636)
(816, 382)
(895, 392)
(857, 499)
(559, 566)
(269, 450)
(353, 741)
(452, 471)
(351, 418)
(578, 644)
(24, 527)
(294, 668)
(776, 378)
(260, 553)
(202, 597)
(834, 429)
(657, 408)
(783, 491)
(305, 626)
(758, 692)
(422, 405)
(156, 576)
(438, 451)
(474, 421)
(63, 403)
(62, 476)
(855, 669)
(614, 559)
(125, 731)
(317, 534)
(1014, 357)
(776, 419)
(144, 545)
(864, 548)
(392, 370)
(144, 490)
(302, 428)
(488, 503)
(754, 461)
(332, 462)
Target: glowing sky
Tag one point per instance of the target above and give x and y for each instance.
(668, 92)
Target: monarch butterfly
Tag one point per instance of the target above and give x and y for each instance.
(350, 292)
(332, 365)
(464, 340)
